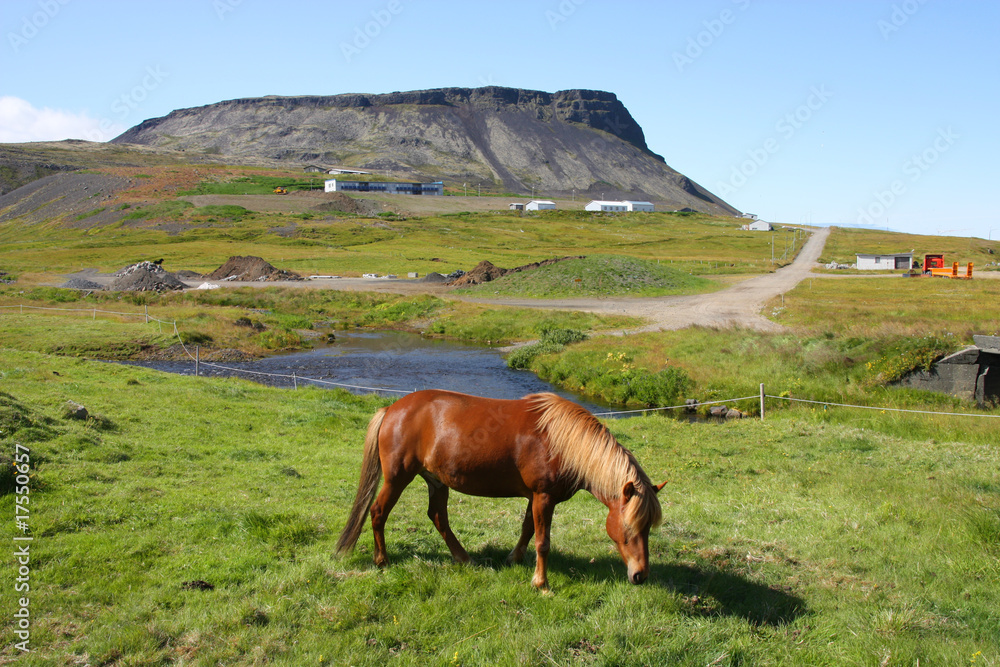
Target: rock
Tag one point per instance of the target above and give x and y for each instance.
(73, 410)
(733, 413)
(718, 411)
(691, 405)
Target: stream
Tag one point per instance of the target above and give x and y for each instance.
(387, 362)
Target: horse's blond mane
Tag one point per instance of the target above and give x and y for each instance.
(596, 461)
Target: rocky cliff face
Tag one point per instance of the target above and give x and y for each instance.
(573, 140)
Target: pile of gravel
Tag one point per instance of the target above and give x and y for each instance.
(145, 277)
(434, 277)
(81, 284)
(250, 269)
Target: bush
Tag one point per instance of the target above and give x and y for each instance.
(279, 339)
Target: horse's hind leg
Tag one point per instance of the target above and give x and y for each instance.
(383, 504)
(437, 511)
(527, 530)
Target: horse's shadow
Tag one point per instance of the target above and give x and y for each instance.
(703, 591)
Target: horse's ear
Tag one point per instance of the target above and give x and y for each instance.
(658, 487)
(628, 490)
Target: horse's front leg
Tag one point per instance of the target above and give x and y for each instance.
(542, 507)
(527, 530)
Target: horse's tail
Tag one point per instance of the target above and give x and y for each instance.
(371, 474)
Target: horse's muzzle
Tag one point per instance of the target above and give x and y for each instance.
(638, 577)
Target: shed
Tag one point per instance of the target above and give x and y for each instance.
(759, 226)
(516, 206)
(885, 262)
(312, 168)
(641, 206)
(540, 205)
(971, 374)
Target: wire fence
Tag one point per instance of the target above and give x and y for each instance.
(295, 379)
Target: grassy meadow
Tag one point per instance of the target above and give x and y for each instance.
(192, 520)
(804, 539)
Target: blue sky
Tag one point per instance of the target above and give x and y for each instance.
(880, 113)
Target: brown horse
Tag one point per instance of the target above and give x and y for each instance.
(541, 447)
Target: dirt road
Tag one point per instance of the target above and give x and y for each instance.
(736, 306)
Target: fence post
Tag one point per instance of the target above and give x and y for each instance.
(95, 314)
(197, 359)
(295, 381)
(146, 307)
(762, 401)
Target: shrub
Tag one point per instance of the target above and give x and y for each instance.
(279, 339)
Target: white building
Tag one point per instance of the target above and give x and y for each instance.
(540, 205)
(887, 262)
(623, 206)
(758, 226)
(385, 187)
(343, 170)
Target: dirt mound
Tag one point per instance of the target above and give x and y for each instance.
(250, 269)
(81, 284)
(486, 271)
(434, 277)
(145, 277)
(340, 203)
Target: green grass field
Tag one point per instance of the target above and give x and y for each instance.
(805, 539)
(821, 536)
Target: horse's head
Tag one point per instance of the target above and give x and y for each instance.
(630, 516)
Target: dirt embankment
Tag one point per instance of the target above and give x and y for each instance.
(486, 271)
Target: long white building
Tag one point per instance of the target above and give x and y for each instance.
(623, 206)
(385, 187)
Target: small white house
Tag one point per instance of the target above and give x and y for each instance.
(624, 206)
(887, 262)
(540, 205)
(758, 226)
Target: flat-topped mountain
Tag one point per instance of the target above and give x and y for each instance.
(517, 140)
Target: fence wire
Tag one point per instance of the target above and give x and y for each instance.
(296, 378)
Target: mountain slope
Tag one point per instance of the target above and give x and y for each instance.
(557, 143)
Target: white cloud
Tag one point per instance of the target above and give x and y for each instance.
(20, 121)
